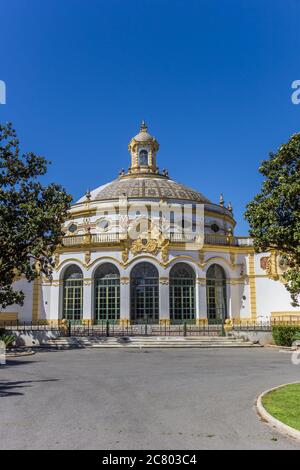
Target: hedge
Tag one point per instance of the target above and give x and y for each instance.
(284, 335)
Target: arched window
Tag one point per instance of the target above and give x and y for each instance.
(72, 293)
(216, 293)
(143, 158)
(107, 293)
(182, 292)
(144, 293)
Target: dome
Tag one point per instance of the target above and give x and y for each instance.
(143, 135)
(143, 180)
(145, 187)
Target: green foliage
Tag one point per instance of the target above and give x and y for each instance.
(284, 335)
(274, 214)
(8, 340)
(297, 336)
(31, 217)
(284, 404)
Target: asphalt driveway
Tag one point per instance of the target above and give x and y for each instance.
(131, 399)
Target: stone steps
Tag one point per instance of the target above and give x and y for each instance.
(148, 342)
(62, 343)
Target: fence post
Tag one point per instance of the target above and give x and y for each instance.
(184, 328)
(69, 328)
(107, 328)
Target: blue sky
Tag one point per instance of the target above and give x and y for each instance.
(211, 78)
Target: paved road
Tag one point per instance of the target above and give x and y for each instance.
(170, 399)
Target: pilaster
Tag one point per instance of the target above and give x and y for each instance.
(164, 300)
(124, 299)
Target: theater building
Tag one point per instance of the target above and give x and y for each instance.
(131, 254)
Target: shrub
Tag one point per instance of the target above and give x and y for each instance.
(284, 335)
(8, 340)
(296, 337)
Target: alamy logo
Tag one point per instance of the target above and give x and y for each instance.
(2, 92)
(161, 221)
(295, 97)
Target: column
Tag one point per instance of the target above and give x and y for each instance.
(201, 304)
(164, 301)
(124, 300)
(87, 310)
(56, 300)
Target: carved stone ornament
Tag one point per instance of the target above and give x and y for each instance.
(151, 243)
(125, 254)
(56, 260)
(264, 262)
(87, 237)
(144, 245)
(242, 270)
(165, 253)
(275, 265)
(201, 257)
(87, 257)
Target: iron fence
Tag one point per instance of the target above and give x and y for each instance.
(145, 329)
(264, 325)
(16, 325)
(107, 328)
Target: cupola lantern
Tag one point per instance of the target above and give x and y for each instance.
(143, 148)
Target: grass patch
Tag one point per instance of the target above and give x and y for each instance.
(284, 404)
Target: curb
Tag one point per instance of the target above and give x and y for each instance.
(20, 354)
(274, 422)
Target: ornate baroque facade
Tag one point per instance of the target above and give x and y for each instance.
(130, 254)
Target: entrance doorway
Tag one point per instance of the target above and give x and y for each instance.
(144, 293)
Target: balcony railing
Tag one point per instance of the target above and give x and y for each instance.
(182, 237)
(212, 239)
(75, 240)
(209, 239)
(105, 237)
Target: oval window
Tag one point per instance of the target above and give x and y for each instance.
(215, 228)
(72, 228)
(103, 224)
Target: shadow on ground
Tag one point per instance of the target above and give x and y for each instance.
(9, 389)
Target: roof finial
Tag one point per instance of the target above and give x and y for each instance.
(144, 126)
(88, 195)
(221, 200)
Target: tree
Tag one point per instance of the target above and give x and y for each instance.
(31, 217)
(274, 214)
